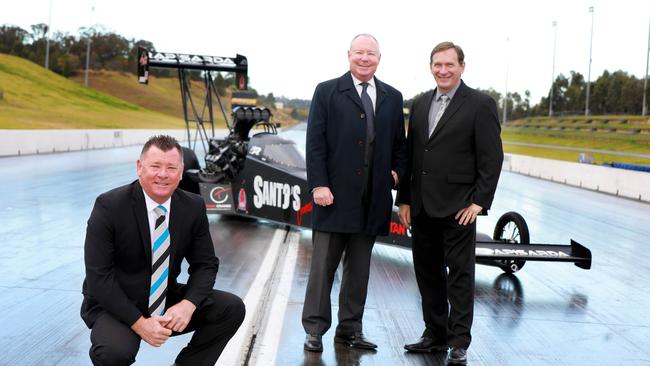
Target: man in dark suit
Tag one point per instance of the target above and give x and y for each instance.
(136, 239)
(455, 157)
(355, 152)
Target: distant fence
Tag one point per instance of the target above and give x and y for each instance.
(620, 182)
(29, 142)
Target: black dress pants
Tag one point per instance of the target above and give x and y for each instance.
(328, 250)
(114, 343)
(447, 298)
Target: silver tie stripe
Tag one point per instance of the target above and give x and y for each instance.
(160, 263)
(441, 110)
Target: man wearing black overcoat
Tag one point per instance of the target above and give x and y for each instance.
(355, 153)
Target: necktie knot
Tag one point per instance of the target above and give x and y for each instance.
(160, 210)
(444, 98)
(364, 87)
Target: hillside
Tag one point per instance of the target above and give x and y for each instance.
(34, 98)
(161, 94)
(630, 134)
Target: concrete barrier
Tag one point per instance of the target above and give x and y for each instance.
(619, 182)
(28, 142)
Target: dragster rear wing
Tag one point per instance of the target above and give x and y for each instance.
(147, 58)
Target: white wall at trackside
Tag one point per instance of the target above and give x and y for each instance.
(620, 182)
(29, 142)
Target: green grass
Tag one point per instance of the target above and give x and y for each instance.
(600, 140)
(34, 98)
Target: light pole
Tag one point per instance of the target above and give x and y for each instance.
(505, 96)
(550, 99)
(47, 39)
(591, 41)
(645, 82)
(92, 9)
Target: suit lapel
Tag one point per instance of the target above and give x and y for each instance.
(142, 219)
(424, 115)
(174, 226)
(346, 86)
(381, 96)
(454, 105)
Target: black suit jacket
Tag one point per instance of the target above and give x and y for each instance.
(336, 138)
(117, 254)
(460, 162)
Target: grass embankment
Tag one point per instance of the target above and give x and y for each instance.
(163, 95)
(614, 133)
(34, 98)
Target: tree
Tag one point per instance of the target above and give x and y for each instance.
(13, 40)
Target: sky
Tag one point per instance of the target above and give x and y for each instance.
(292, 45)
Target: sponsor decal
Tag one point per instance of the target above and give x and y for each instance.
(521, 253)
(303, 211)
(255, 150)
(193, 59)
(241, 205)
(275, 194)
(397, 228)
(220, 196)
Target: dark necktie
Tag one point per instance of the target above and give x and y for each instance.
(160, 263)
(444, 101)
(370, 113)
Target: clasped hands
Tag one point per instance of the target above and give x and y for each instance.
(157, 329)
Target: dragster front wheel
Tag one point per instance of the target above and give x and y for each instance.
(511, 228)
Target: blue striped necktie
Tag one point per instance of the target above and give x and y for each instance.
(160, 263)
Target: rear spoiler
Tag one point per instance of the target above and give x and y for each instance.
(147, 59)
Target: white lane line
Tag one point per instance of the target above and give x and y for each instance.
(256, 302)
(267, 345)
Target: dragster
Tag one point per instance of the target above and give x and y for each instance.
(254, 172)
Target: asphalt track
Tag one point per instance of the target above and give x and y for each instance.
(546, 314)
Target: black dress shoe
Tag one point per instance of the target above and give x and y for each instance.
(457, 356)
(426, 345)
(313, 343)
(356, 341)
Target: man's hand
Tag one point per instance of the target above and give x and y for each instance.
(468, 214)
(179, 315)
(151, 329)
(323, 196)
(395, 178)
(405, 214)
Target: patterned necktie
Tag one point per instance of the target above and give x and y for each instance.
(160, 263)
(444, 100)
(369, 111)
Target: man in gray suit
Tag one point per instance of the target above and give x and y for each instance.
(355, 152)
(455, 157)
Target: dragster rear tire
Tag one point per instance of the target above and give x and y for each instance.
(511, 228)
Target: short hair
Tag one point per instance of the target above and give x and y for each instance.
(364, 35)
(444, 46)
(164, 143)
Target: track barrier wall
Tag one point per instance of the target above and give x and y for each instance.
(620, 182)
(30, 142)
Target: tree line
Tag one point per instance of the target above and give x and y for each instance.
(67, 54)
(611, 93)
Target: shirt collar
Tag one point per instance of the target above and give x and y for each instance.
(356, 81)
(151, 204)
(450, 94)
